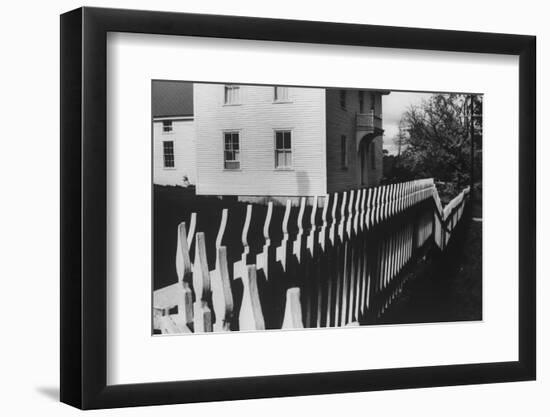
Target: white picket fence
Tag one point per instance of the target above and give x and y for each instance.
(341, 266)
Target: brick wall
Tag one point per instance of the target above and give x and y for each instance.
(341, 122)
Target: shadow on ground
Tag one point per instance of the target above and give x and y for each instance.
(449, 288)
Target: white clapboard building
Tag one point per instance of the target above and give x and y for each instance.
(249, 140)
(174, 137)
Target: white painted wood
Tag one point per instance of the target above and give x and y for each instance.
(313, 227)
(293, 310)
(283, 248)
(191, 232)
(332, 233)
(256, 118)
(222, 297)
(250, 316)
(173, 324)
(262, 257)
(201, 285)
(239, 267)
(183, 136)
(342, 223)
(324, 223)
(221, 230)
(353, 284)
(297, 244)
(184, 270)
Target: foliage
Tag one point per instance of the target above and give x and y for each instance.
(434, 140)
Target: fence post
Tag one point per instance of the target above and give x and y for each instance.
(222, 297)
(262, 259)
(312, 269)
(239, 267)
(322, 266)
(201, 285)
(341, 262)
(364, 251)
(283, 250)
(332, 263)
(293, 310)
(251, 316)
(184, 270)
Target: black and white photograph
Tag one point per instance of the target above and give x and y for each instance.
(283, 207)
(246, 208)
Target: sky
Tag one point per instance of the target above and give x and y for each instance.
(393, 107)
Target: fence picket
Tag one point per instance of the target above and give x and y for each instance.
(184, 270)
(222, 297)
(293, 310)
(283, 249)
(250, 315)
(201, 285)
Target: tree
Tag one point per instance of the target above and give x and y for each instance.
(437, 138)
(400, 140)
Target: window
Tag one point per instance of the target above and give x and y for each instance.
(231, 94)
(372, 155)
(283, 149)
(168, 154)
(361, 101)
(343, 152)
(280, 94)
(167, 126)
(343, 99)
(231, 152)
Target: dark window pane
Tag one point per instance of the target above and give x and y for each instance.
(168, 147)
(283, 153)
(279, 136)
(168, 154)
(287, 140)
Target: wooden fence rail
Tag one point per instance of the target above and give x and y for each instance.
(341, 264)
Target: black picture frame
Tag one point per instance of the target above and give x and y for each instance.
(84, 207)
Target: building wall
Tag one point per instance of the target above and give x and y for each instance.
(342, 122)
(256, 118)
(183, 136)
(376, 173)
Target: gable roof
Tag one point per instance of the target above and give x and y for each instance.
(172, 98)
